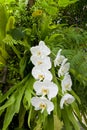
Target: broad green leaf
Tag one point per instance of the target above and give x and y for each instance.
(72, 119)
(64, 3)
(50, 7)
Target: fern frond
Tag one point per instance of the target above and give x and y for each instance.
(9, 40)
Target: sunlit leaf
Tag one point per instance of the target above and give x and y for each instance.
(64, 3)
(7, 1)
(58, 125)
(10, 23)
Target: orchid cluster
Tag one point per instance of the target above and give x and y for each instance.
(44, 88)
(66, 82)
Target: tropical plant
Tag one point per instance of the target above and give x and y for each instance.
(23, 28)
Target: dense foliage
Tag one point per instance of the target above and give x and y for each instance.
(22, 25)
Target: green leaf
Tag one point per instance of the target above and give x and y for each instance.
(44, 26)
(72, 118)
(28, 92)
(17, 52)
(22, 113)
(3, 21)
(10, 23)
(10, 101)
(17, 33)
(12, 89)
(2, 61)
(38, 126)
(49, 123)
(76, 96)
(67, 124)
(22, 65)
(76, 110)
(14, 108)
(58, 125)
(7, 1)
(4, 53)
(64, 3)
(8, 116)
(29, 116)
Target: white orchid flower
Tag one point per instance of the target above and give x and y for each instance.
(46, 88)
(66, 83)
(64, 68)
(41, 103)
(59, 58)
(44, 62)
(66, 99)
(40, 50)
(40, 73)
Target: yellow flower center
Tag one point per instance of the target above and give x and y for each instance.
(38, 53)
(67, 86)
(42, 106)
(41, 77)
(40, 62)
(45, 91)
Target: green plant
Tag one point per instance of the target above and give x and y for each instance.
(21, 32)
